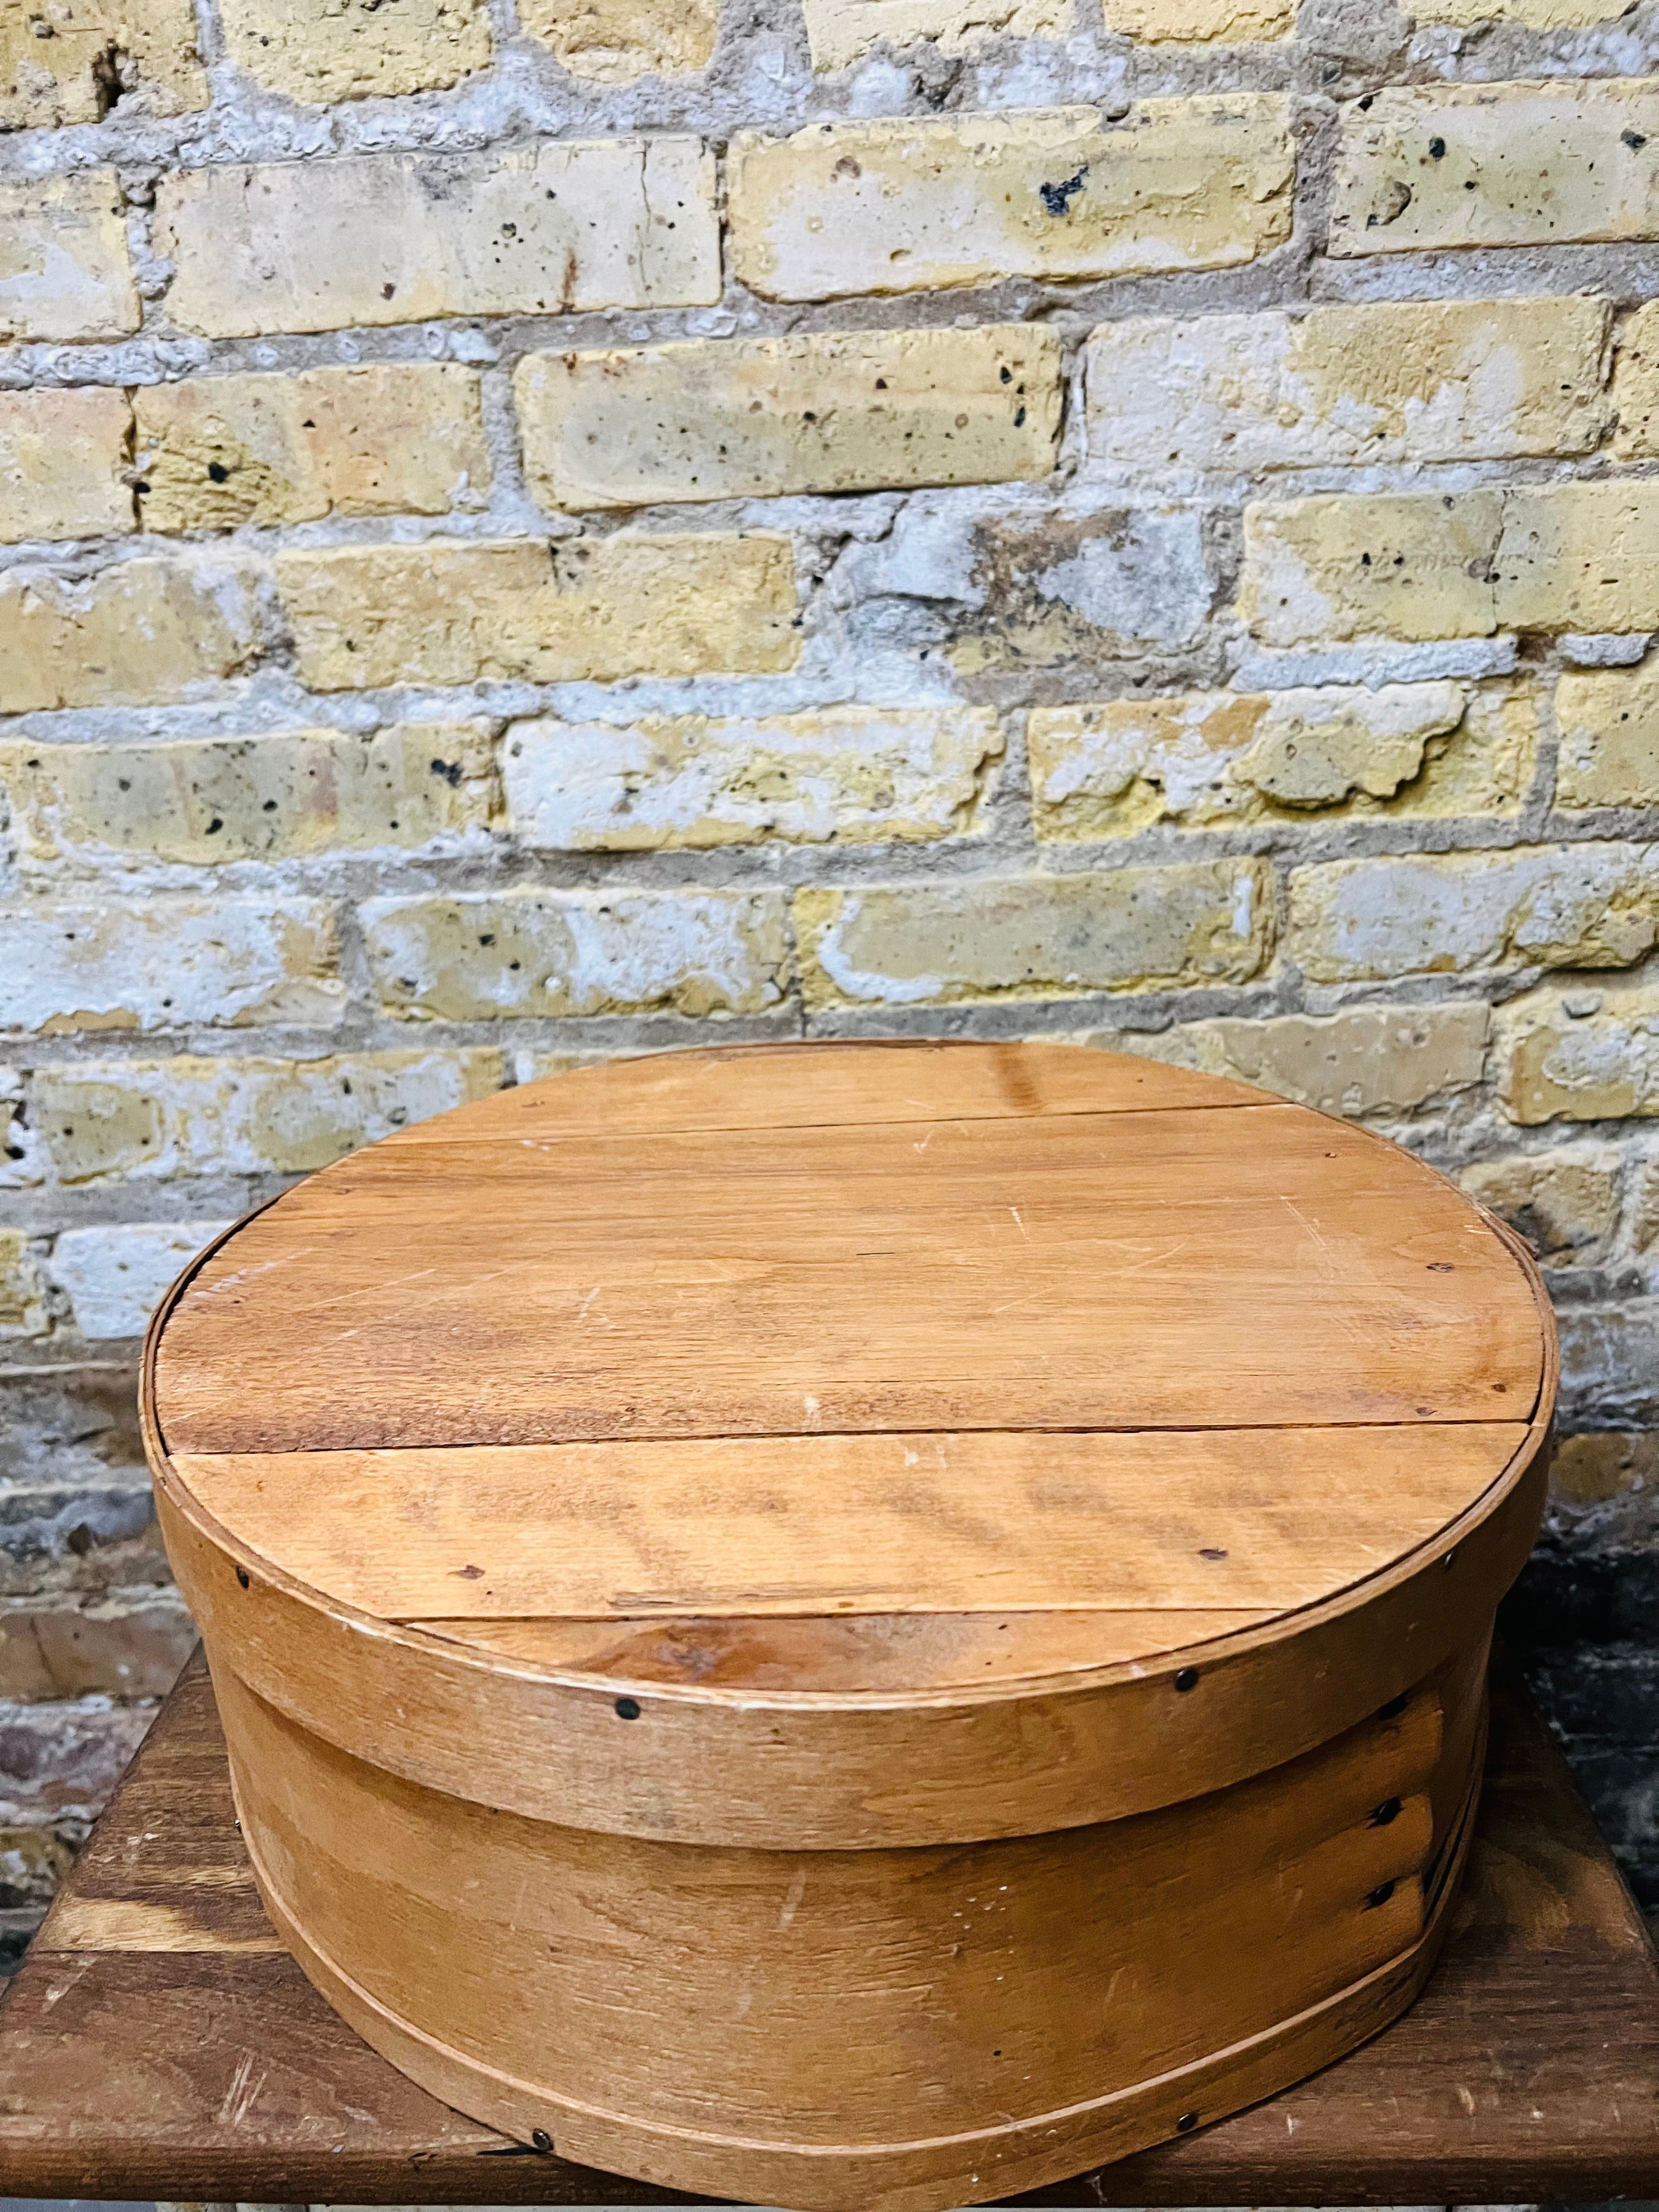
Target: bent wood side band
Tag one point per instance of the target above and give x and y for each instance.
(915, 2176)
(796, 1774)
(1089, 1957)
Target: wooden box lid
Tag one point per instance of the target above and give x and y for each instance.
(914, 1442)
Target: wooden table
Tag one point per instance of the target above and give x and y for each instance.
(157, 2042)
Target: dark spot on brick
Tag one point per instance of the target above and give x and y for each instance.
(470, 1574)
(1437, 150)
(628, 1709)
(217, 472)
(1057, 198)
(1634, 139)
(449, 772)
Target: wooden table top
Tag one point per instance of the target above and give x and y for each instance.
(158, 2043)
(853, 1371)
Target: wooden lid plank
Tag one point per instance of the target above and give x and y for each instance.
(1237, 1519)
(1257, 1267)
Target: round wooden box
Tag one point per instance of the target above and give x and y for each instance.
(856, 1624)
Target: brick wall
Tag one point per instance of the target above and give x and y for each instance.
(529, 534)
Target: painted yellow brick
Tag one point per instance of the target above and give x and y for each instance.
(1609, 720)
(1537, 906)
(903, 206)
(1579, 557)
(1550, 557)
(61, 458)
(1231, 22)
(516, 953)
(141, 632)
(399, 438)
(852, 411)
(22, 1287)
(1414, 380)
(842, 32)
(852, 774)
(1039, 937)
(1580, 1051)
(549, 228)
(1366, 1059)
(161, 962)
(106, 1120)
(602, 609)
(65, 269)
(68, 61)
(327, 50)
(613, 41)
(206, 801)
(1209, 759)
(1565, 1202)
(1435, 165)
(1636, 386)
(1404, 564)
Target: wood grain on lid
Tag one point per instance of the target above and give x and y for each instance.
(1237, 1519)
(756, 1336)
(1185, 1267)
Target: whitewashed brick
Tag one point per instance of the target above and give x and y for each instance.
(492, 956)
(1608, 720)
(906, 205)
(854, 774)
(852, 411)
(1213, 757)
(138, 632)
(1579, 1051)
(1540, 906)
(1419, 380)
(1036, 938)
(1366, 1059)
(552, 228)
(106, 1120)
(116, 1277)
(161, 962)
(206, 801)
(1428, 166)
(1417, 565)
(64, 268)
